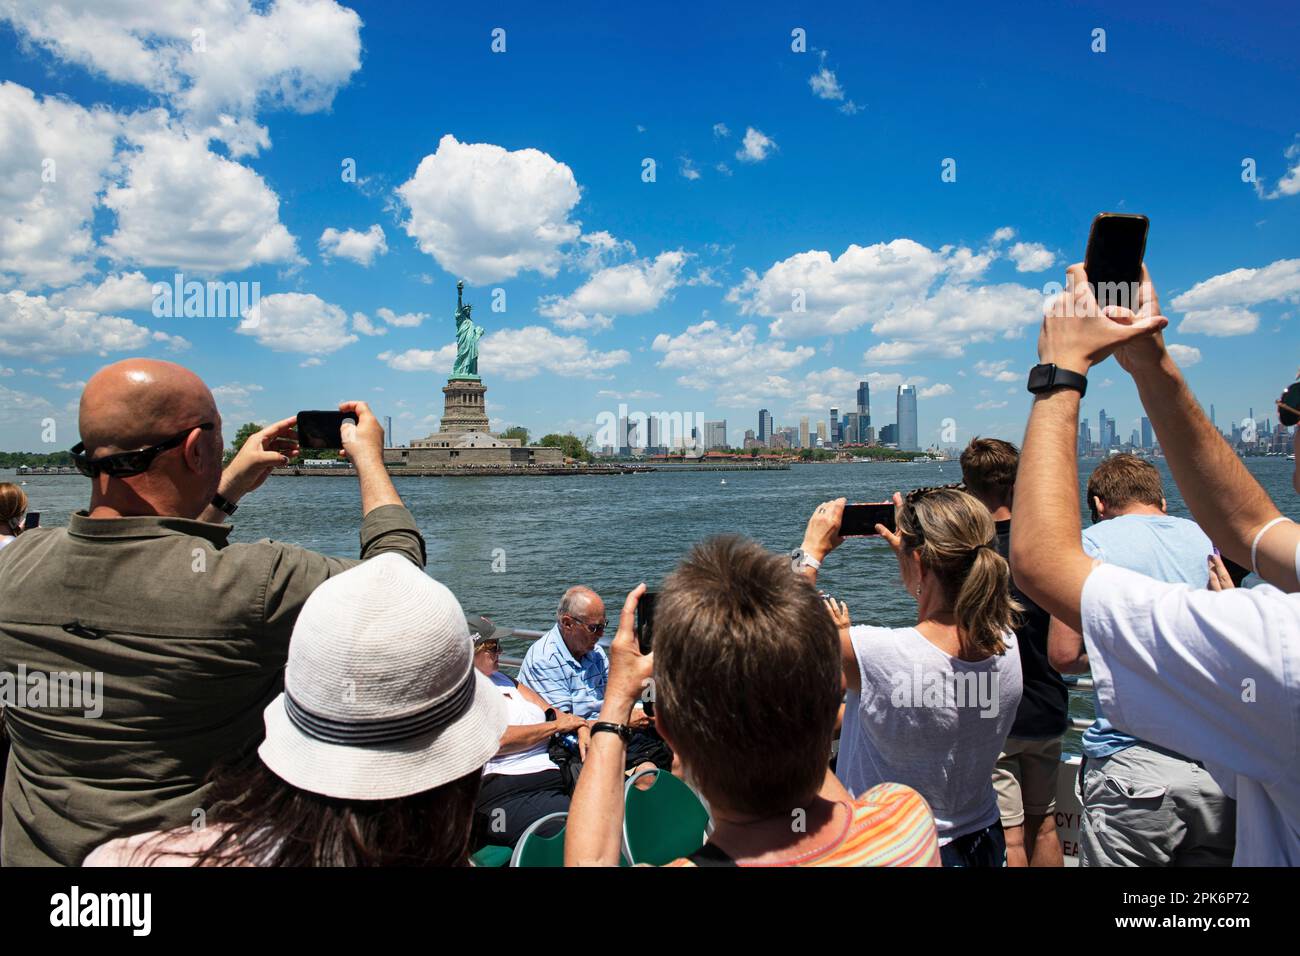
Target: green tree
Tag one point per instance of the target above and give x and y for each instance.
(241, 436)
(569, 443)
(516, 431)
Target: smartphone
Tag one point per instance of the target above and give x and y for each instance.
(1290, 398)
(645, 621)
(861, 519)
(33, 520)
(322, 429)
(1113, 260)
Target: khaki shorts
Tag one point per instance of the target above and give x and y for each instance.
(1025, 779)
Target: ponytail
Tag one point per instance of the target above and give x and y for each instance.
(984, 608)
(954, 534)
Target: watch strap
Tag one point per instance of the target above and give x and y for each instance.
(1053, 376)
(222, 503)
(605, 726)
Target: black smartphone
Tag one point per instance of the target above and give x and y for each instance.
(322, 429)
(1291, 398)
(861, 519)
(1113, 260)
(645, 621)
(33, 520)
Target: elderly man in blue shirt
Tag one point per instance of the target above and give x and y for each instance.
(568, 668)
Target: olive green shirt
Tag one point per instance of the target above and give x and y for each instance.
(190, 634)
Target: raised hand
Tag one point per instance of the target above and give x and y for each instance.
(270, 448)
(1077, 334)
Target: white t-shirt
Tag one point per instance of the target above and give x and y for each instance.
(521, 712)
(1215, 676)
(930, 721)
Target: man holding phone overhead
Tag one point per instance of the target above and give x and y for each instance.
(189, 630)
(1214, 674)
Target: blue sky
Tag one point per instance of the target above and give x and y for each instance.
(778, 174)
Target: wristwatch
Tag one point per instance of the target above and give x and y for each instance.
(550, 714)
(605, 727)
(1043, 378)
(222, 503)
(800, 559)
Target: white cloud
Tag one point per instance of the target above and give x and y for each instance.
(901, 353)
(1289, 183)
(688, 169)
(1220, 321)
(235, 395)
(361, 323)
(312, 362)
(360, 247)
(919, 299)
(407, 320)
(825, 85)
(174, 343)
(297, 322)
(1184, 355)
(183, 205)
(31, 325)
(1004, 234)
(1227, 293)
(756, 146)
(487, 213)
(733, 362)
(597, 250)
(129, 290)
(516, 354)
(1031, 257)
(633, 288)
(288, 54)
(997, 370)
(986, 406)
(935, 390)
(46, 226)
(720, 130)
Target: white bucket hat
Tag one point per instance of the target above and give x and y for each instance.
(381, 697)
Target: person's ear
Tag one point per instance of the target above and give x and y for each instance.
(1164, 505)
(196, 452)
(1098, 507)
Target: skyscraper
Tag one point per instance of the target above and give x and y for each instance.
(907, 418)
(803, 432)
(1147, 442)
(821, 432)
(715, 435)
(889, 435)
(764, 426)
(864, 407)
(851, 433)
(835, 425)
(1085, 438)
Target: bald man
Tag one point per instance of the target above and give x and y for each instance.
(179, 637)
(568, 668)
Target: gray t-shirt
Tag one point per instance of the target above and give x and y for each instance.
(930, 721)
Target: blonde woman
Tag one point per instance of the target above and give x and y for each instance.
(930, 705)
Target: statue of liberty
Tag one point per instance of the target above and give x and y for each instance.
(467, 336)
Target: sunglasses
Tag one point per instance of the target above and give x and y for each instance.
(593, 628)
(127, 463)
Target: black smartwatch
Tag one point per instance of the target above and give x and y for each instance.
(222, 503)
(550, 714)
(1044, 378)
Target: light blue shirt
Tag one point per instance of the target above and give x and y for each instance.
(567, 684)
(1163, 547)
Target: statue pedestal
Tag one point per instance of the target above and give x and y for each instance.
(465, 409)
